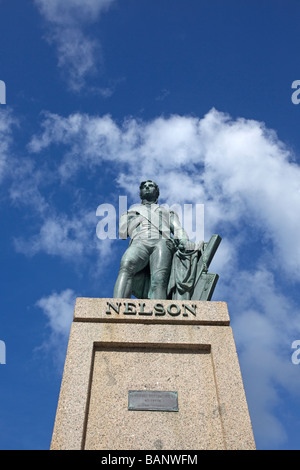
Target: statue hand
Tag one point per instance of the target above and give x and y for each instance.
(181, 245)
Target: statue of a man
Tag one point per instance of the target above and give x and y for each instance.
(154, 232)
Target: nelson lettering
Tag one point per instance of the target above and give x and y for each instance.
(159, 310)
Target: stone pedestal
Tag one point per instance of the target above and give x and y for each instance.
(125, 354)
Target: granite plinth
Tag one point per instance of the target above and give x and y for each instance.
(185, 347)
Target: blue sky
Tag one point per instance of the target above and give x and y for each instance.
(103, 93)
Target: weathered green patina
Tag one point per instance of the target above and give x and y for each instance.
(161, 262)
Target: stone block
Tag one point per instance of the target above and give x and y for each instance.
(121, 345)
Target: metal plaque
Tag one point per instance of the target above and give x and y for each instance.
(148, 400)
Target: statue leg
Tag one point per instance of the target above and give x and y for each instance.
(134, 260)
(160, 268)
(123, 286)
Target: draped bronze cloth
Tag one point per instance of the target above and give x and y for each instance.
(189, 279)
(185, 267)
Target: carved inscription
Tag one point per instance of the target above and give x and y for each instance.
(159, 310)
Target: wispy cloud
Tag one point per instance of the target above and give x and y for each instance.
(7, 123)
(79, 55)
(70, 237)
(58, 309)
(264, 327)
(61, 235)
(162, 95)
(239, 169)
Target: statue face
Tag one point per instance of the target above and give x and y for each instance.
(149, 191)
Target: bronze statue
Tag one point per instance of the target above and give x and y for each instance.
(161, 262)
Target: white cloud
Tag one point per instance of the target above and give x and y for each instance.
(7, 122)
(26, 180)
(265, 323)
(239, 169)
(58, 309)
(72, 238)
(72, 11)
(78, 55)
(60, 235)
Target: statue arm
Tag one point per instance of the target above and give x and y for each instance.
(177, 230)
(127, 223)
(123, 226)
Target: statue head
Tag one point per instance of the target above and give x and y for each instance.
(149, 191)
